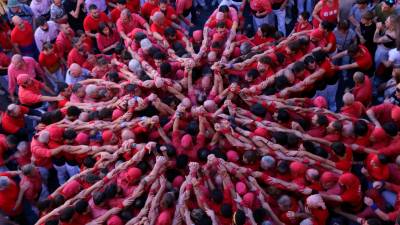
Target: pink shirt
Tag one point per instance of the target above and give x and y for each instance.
(136, 21)
(31, 67)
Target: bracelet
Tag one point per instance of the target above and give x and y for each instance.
(374, 207)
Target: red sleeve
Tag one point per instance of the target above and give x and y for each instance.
(139, 19)
(86, 24)
(176, 142)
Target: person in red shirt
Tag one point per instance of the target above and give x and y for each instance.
(359, 54)
(147, 8)
(63, 42)
(107, 39)
(29, 92)
(316, 207)
(352, 108)
(350, 196)
(302, 23)
(167, 10)
(260, 10)
(160, 23)
(376, 167)
(128, 22)
(13, 119)
(325, 10)
(22, 38)
(9, 191)
(116, 12)
(78, 54)
(381, 114)
(51, 62)
(362, 90)
(393, 215)
(93, 19)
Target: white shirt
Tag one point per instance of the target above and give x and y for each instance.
(70, 80)
(394, 57)
(40, 7)
(46, 36)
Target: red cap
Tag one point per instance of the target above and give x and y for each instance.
(328, 177)
(55, 133)
(114, 220)
(133, 174)
(396, 114)
(241, 188)
(187, 141)
(261, 131)
(82, 138)
(320, 102)
(197, 35)
(117, 113)
(232, 156)
(22, 79)
(298, 169)
(248, 199)
(349, 180)
(71, 189)
(107, 136)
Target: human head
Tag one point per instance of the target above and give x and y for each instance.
(94, 11)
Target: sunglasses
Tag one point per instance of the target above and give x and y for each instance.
(397, 89)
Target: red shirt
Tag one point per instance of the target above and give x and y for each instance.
(115, 14)
(147, 8)
(364, 58)
(75, 56)
(302, 27)
(30, 95)
(10, 124)
(160, 29)
(169, 13)
(375, 169)
(135, 22)
(356, 110)
(353, 197)
(22, 37)
(41, 154)
(34, 183)
(51, 61)
(92, 24)
(260, 6)
(363, 92)
(330, 69)
(8, 198)
(106, 41)
(383, 112)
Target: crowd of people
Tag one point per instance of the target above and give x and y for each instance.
(232, 112)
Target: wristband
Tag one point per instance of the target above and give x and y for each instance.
(374, 207)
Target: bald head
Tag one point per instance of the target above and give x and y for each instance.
(348, 99)
(44, 137)
(15, 59)
(125, 13)
(158, 17)
(210, 106)
(75, 70)
(16, 20)
(358, 77)
(212, 56)
(127, 134)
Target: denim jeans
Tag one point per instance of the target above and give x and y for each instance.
(280, 17)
